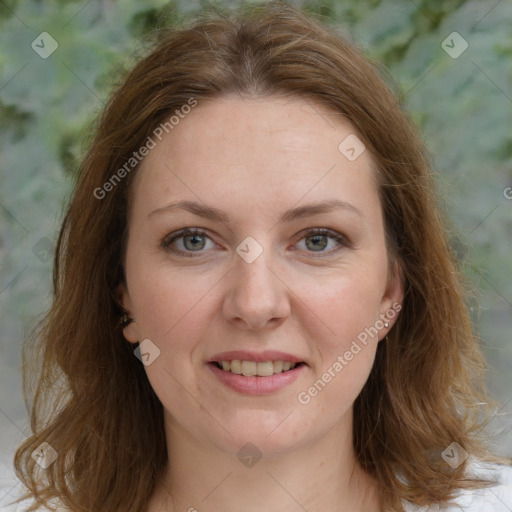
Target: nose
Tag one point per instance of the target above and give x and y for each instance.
(257, 296)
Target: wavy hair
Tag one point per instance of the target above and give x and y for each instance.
(426, 387)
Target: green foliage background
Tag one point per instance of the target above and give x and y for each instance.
(463, 107)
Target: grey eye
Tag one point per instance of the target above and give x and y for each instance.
(194, 242)
(319, 242)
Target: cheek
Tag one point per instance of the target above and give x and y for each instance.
(346, 306)
(345, 356)
(349, 307)
(167, 298)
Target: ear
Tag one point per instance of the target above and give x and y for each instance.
(393, 297)
(123, 297)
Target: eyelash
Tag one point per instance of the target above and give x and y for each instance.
(169, 239)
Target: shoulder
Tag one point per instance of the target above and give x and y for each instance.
(8, 502)
(499, 496)
(495, 498)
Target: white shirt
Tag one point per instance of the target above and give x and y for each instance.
(497, 498)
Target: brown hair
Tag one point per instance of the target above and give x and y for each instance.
(425, 388)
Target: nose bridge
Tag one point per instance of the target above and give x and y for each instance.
(256, 294)
(256, 273)
(252, 267)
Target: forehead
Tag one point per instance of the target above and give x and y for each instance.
(235, 152)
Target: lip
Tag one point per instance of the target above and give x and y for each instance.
(256, 385)
(258, 357)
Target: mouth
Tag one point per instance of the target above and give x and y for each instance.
(256, 368)
(256, 373)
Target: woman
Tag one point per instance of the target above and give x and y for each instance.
(256, 307)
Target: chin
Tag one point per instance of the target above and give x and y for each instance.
(273, 433)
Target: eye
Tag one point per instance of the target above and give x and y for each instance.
(193, 240)
(317, 239)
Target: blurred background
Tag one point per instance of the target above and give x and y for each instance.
(450, 62)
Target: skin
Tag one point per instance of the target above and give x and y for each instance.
(255, 159)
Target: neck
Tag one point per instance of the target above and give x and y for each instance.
(321, 476)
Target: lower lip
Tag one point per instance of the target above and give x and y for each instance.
(256, 385)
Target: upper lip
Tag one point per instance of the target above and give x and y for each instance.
(259, 357)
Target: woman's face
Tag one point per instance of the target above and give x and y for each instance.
(259, 286)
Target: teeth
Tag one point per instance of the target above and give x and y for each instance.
(264, 369)
(278, 366)
(252, 368)
(249, 368)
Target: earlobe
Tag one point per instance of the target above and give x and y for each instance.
(129, 332)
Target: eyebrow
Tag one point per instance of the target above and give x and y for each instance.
(300, 212)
